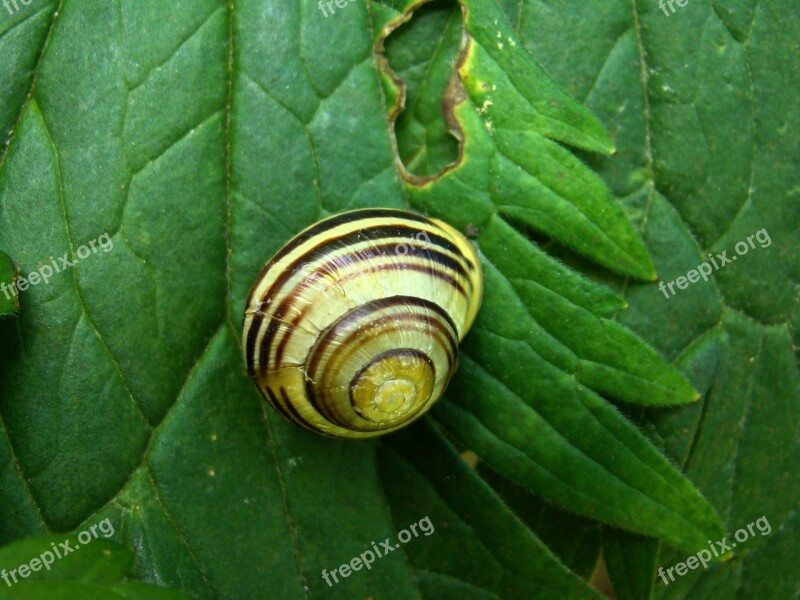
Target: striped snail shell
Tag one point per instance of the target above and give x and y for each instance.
(352, 328)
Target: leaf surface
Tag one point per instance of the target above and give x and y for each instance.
(9, 300)
(63, 567)
(201, 140)
(701, 109)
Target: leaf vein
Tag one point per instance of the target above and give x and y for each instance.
(34, 78)
(79, 295)
(133, 87)
(17, 465)
(180, 533)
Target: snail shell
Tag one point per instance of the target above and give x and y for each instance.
(352, 328)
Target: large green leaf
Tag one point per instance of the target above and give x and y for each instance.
(701, 106)
(466, 554)
(9, 297)
(200, 137)
(73, 568)
(539, 332)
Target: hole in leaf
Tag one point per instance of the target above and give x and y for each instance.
(422, 53)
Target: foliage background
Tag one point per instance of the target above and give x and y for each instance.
(122, 386)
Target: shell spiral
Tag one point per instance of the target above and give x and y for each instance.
(352, 328)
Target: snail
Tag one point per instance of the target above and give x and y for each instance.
(351, 330)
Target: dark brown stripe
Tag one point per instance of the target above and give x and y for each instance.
(377, 233)
(445, 337)
(272, 399)
(390, 249)
(320, 379)
(290, 412)
(354, 316)
(320, 251)
(365, 310)
(402, 266)
(324, 409)
(350, 217)
(353, 217)
(336, 221)
(468, 260)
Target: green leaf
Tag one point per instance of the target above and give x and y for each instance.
(509, 125)
(63, 567)
(575, 540)
(23, 35)
(201, 140)
(9, 298)
(477, 542)
(421, 53)
(632, 559)
(700, 107)
(572, 339)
